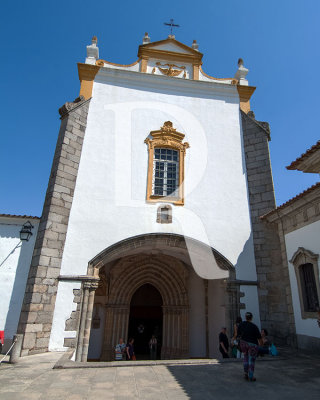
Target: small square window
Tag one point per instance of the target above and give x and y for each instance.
(164, 214)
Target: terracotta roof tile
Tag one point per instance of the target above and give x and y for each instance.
(287, 203)
(18, 216)
(308, 153)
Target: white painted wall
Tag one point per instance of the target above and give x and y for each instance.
(216, 316)
(96, 334)
(109, 203)
(63, 309)
(197, 322)
(135, 67)
(251, 302)
(307, 237)
(203, 77)
(15, 259)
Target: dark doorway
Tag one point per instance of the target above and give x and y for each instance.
(145, 320)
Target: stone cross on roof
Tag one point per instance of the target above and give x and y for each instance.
(171, 24)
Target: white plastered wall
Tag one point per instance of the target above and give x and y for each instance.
(251, 302)
(15, 259)
(307, 237)
(109, 202)
(197, 322)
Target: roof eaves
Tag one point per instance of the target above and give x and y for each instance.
(18, 216)
(303, 156)
(292, 200)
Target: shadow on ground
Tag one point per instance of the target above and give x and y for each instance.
(276, 379)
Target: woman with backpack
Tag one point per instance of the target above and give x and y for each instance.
(250, 339)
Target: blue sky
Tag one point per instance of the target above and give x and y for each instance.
(43, 40)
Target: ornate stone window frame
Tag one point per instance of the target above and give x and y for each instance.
(301, 257)
(166, 137)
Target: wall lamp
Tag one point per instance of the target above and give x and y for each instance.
(25, 232)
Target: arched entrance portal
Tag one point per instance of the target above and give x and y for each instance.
(193, 307)
(145, 319)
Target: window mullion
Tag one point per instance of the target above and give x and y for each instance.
(165, 178)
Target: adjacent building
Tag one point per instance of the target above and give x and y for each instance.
(298, 224)
(15, 259)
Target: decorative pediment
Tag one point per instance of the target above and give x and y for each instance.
(170, 49)
(303, 256)
(167, 136)
(169, 45)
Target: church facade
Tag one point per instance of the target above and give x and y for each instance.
(151, 222)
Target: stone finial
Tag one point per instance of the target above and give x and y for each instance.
(146, 39)
(171, 37)
(92, 51)
(241, 73)
(195, 45)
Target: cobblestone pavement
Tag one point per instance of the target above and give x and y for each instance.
(295, 377)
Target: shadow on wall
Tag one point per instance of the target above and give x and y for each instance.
(246, 264)
(17, 294)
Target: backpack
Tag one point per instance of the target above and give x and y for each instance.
(273, 350)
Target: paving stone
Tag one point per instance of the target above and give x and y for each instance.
(293, 377)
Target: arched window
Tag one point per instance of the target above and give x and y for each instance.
(166, 165)
(306, 268)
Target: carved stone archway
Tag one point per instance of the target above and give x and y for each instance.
(169, 276)
(164, 261)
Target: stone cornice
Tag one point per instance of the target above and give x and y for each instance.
(245, 93)
(79, 278)
(87, 73)
(71, 106)
(264, 126)
(240, 282)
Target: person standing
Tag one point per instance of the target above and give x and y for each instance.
(119, 350)
(130, 350)
(224, 343)
(153, 347)
(250, 339)
(1, 340)
(235, 345)
(265, 348)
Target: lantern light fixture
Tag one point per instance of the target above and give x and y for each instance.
(25, 232)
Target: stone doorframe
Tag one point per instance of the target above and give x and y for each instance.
(169, 276)
(168, 280)
(89, 286)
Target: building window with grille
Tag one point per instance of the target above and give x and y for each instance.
(167, 151)
(309, 288)
(306, 268)
(165, 172)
